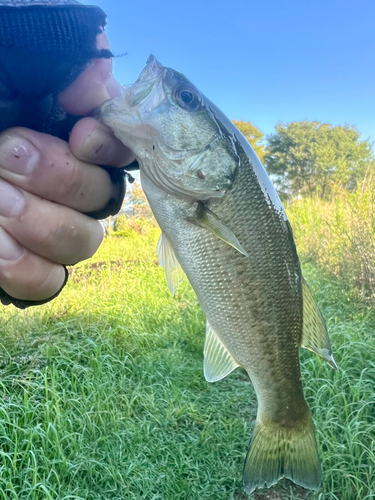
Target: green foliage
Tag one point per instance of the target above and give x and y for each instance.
(130, 227)
(339, 235)
(103, 394)
(121, 223)
(253, 135)
(310, 157)
(123, 227)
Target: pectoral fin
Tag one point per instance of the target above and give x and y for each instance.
(315, 335)
(208, 220)
(169, 262)
(218, 362)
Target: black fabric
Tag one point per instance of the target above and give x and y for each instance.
(114, 205)
(42, 51)
(58, 39)
(6, 299)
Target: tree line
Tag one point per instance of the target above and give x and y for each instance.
(310, 158)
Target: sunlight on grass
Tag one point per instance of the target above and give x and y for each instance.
(103, 394)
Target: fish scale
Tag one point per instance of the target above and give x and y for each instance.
(235, 292)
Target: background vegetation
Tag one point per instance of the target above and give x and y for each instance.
(326, 177)
(103, 393)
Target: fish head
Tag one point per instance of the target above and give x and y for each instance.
(174, 131)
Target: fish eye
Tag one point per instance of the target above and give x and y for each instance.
(187, 98)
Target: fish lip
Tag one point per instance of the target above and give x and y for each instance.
(152, 71)
(135, 94)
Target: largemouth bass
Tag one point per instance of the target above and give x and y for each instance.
(223, 223)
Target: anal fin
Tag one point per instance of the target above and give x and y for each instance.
(315, 334)
(218, 362)
(169, 262)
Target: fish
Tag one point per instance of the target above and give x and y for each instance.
(224, 227)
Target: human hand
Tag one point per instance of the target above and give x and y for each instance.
(46, 186)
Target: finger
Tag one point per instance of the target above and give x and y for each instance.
(24, 275)
(47, 229)
(93, 142)
(93, 86)
(45, 166)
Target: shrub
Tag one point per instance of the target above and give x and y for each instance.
(123, 227)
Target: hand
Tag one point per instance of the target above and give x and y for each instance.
(46, 185)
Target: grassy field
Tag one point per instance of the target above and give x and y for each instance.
(103, 394)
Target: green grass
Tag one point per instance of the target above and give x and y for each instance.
(103, 394)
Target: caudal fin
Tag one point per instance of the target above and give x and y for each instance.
(276, 452)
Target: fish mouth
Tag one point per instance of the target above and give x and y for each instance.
(149, 77)
(139, 97)
(152, 71)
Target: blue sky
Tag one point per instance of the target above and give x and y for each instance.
(262, 61)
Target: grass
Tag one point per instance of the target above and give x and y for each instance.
(338, 234)
(103, 394)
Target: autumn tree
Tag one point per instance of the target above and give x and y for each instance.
(310, 157)
(253, 135)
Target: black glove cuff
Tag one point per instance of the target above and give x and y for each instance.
(7, 299)
(114, 205)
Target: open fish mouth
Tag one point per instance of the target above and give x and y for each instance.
(153, 70)
(150, 76)
(139, 97)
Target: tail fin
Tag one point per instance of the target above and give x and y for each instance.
(276, 452)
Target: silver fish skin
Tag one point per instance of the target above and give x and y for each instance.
(224, 224)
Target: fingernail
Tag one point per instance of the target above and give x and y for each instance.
(9, 248)
(12, 200)
(17, 155)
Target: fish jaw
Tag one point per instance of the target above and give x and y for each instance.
(153, 69)
(128, 115)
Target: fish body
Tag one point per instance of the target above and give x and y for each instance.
(224, 225)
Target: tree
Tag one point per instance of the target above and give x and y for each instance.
(310, 157)
(253, 135)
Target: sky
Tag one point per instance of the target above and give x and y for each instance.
(262, 61)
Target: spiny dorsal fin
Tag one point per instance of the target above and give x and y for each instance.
(208, 220)
(218, 362)
(169, 262)
(315, 335)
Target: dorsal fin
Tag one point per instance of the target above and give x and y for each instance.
(169, 262)
(315, 334)
(208, 220)
(218, 362)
